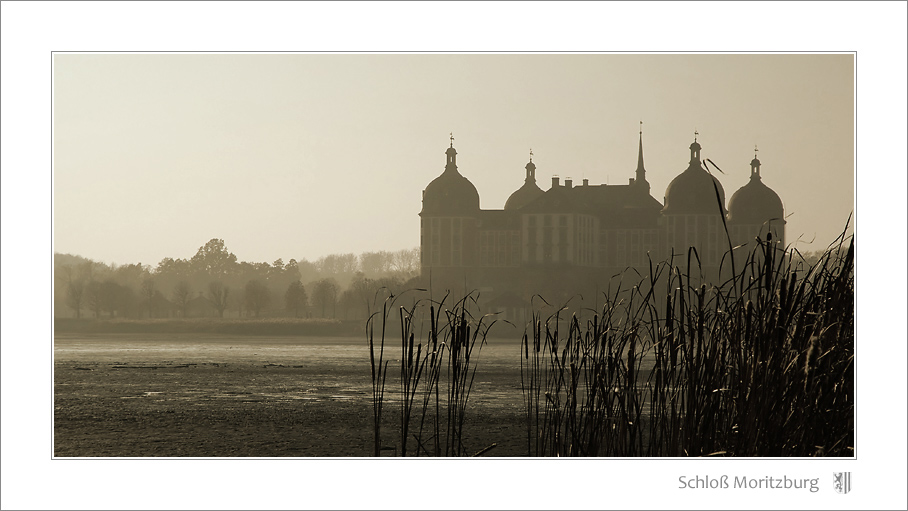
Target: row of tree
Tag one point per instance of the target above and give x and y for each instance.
(214, 283)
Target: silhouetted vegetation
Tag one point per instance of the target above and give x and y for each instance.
(213, 283)
(447, 357)
(761, 364)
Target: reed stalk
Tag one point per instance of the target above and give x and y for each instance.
(759, 364)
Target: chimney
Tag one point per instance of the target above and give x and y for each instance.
(568, 182)
(630, 180)
(555, 180)
(586, 182)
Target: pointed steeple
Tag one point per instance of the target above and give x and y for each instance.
(641, 171)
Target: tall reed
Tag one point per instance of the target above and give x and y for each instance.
(759, 365)
(453, 340)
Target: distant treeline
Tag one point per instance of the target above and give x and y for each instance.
(214, 284)
(262, 326)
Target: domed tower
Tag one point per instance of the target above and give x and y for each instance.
(450, 206)
(694, 206)
(755, 210)
(527, 193)
(694, 191)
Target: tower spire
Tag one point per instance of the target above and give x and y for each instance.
(755, 166)
(531, 169)
(695, 150)
(641, 171)
(452, 156)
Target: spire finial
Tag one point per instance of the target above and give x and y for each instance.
(695, 134)
(755, 151)
(452, 139)
(640, 180)
(531, 154)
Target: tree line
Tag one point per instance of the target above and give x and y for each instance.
(213, 283)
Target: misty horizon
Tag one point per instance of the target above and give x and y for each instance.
(309, 155)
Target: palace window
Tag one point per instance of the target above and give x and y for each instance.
(435, 245)
(456, 242)
(621, 248)
(634, 248)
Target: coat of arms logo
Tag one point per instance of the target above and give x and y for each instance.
(842, 482)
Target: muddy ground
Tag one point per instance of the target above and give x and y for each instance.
(220, 396)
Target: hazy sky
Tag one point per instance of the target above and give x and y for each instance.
(303, 155)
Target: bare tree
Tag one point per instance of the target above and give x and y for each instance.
(375, 264)
(217, 294)
(75, 288)
(340, 266)
(74, 292)
(182, 294)
(94, 298)
(406, 262)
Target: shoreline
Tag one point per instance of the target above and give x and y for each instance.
(229, 326)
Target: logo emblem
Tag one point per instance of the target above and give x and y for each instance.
(842, 482)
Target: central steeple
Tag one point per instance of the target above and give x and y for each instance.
(640, 180)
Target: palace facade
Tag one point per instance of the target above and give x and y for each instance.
(575, 237)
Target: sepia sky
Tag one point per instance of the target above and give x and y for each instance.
(304, 155)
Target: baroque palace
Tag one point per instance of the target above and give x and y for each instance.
(574, 238)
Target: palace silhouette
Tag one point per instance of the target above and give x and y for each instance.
(575, 238)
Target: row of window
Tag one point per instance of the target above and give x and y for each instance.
(555, 238)
(547, 238)
(700, 231)
(499, 248)
(442, 241)
(586, 240)
(628, 247)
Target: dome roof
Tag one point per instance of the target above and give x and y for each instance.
(450, 193)
(523, 196)
(527, 193)
(694, 190)
(755, 203)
